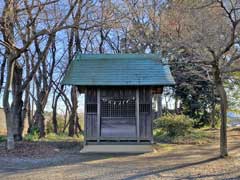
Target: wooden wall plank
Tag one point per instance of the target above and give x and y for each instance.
(137, 114)
(98, 115)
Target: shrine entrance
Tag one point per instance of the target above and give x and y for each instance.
(118, 113)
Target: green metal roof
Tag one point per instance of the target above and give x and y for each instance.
(117, 70)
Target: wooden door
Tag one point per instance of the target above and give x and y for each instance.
(118, 117)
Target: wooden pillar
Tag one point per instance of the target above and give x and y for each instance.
(152, 115)
(98, 115)
(85, 117)
(137, 115)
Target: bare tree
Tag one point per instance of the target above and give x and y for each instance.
(13, 13)
(209, 31)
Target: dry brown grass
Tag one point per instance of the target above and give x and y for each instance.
(170, 161)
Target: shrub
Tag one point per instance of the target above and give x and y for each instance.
(174, 125)
(33, 135)
(2, 138)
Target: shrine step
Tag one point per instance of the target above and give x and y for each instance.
(117, 149)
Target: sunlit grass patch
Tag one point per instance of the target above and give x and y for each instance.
(164, 147)
(194, 136)
(54, 137)
(62, 137)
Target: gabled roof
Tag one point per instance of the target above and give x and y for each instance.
(118, 70)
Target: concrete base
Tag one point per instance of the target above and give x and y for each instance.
(117, 149)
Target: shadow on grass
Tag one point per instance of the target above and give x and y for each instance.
(217, 175)
(154, 172)
(68, 153)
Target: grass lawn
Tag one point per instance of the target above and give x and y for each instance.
(54, 137)
(194, 136)
(62, 137)
(46, 159)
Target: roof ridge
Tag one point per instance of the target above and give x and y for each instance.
(118, 56)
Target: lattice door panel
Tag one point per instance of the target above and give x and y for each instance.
(118, 118)
(118, 103)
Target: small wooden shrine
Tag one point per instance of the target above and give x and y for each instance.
(118, 95)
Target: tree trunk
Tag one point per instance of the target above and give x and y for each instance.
(8, 20)
(71, 124)
(10, 131)
(39, 121)
(17, 122)
(213, 112)
(29, 116)
(223, 105)
(223, 129)
(2, 70)
(31, 110)
(17, 102)
(7, 107)
(159, 101)
(65, 120)
(78, 128)
(54, 118)
(54, 121)
(73, 115)
(176, 105)
(42, 97)
(25, 110)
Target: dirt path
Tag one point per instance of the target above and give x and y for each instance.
(169, 162)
